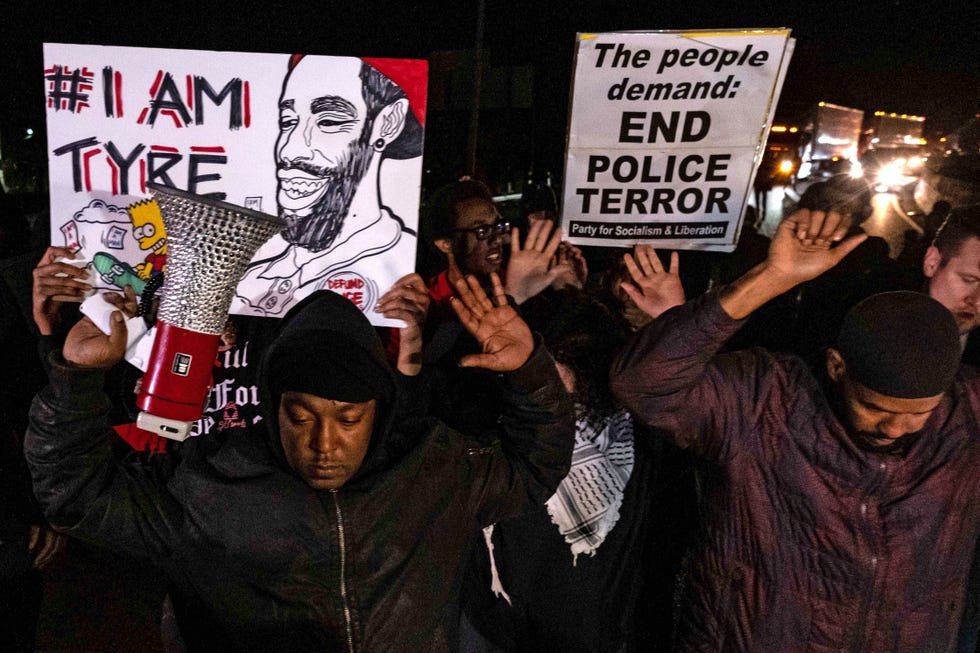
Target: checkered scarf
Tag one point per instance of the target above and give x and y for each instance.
(586, 506)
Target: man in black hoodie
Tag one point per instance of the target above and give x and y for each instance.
(340, 526)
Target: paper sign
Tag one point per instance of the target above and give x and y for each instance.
(665, 134)
(331, 144)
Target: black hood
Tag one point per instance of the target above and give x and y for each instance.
(326, 317)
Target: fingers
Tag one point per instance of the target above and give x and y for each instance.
(55, 268)
(477, 360)
(635, 272)
(46, 287)
(407, 294)
(471, 293)
(52, 253)
(648, 260)
(844, 225)
(125, 303)
(117, 333)
(131, 302)
(553, 242)
(814, 227)
(515, 240)
(499, 296)
(410, 280)
(403, 308)
(51, 544)
(632, 291)
(675, 263)
(543, 237)
(537, 235)
(819, 228)
(57, 279)
(33, 537)
(471, 303)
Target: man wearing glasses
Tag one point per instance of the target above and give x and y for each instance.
(466, 229)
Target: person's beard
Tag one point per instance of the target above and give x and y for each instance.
(318, 229)
(870, 442)
(865, 440)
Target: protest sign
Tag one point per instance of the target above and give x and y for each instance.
(331, 144)
(665, 134)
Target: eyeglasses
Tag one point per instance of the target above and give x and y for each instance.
(484, 231)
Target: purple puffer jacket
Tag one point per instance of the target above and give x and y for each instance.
(811, 543)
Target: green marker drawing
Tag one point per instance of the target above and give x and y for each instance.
(115, 272)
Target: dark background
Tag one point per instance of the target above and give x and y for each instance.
(908, 57)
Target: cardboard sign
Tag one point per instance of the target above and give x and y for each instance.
(331, 144)
(665, 134)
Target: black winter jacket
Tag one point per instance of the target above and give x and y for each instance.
(259, 561)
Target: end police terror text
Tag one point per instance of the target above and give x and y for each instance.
(665, 183)
(650, 169)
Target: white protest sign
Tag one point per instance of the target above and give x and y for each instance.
(331, 144)
(665, 134)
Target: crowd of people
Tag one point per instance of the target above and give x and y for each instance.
(560, 450)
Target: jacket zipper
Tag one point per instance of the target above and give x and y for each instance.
(343, 578)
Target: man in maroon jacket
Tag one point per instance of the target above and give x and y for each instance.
(842, 511)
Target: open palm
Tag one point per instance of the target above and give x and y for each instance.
(504, 337)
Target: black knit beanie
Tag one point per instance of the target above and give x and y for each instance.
(901, 344)
(329, 367)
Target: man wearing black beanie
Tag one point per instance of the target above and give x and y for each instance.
(340, 526)
(842, 506)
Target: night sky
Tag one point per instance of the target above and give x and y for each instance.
(909, 57)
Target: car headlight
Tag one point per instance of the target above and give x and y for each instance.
(890, 175)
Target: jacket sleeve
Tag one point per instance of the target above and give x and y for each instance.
(534, 452)
(671, 376)
(82, 488)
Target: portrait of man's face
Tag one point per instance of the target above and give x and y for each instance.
(322, 151)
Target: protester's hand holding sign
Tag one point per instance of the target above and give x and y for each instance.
(802, 249)
(504, 337)
(654, 289)
(55, 282)
(88, 346)
(407, 300)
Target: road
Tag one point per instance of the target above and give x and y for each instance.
(893, 215)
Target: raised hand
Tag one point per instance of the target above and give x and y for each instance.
(654, 289)
(801, 248)
(407, 300)
(530, 269)
(569, 268)
(504, 337)
(51, 291)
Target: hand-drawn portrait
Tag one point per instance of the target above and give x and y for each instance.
(340, 120)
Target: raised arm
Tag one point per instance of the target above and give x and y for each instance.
(82, 489)
(670, 375)
(537, 416)
(801, 250)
